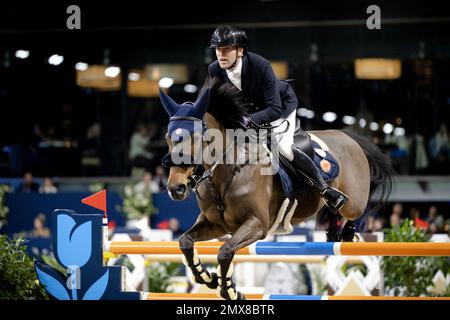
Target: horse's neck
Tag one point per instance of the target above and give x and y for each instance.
(213, 123)
(239, 148)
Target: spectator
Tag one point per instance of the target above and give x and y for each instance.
(370, 224)
(399, 151)
(147, 184)
(91, 148)
(40, 230)
(48, 187)
(414, 214)
(439, 147)
(139, 156)
(394, 220)
(91, 145)
(157, 145)
(436, 221)
(160, 178)
(419, 157)
(439, 144)
(397, 208)
(432, 228)
(172, 224)
(28, 185)
(396, 215)
(378, 224)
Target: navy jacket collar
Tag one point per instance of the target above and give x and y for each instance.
(244, 75)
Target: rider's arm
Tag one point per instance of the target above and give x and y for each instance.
(271, 94)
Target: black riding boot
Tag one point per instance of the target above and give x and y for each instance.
(334, 198)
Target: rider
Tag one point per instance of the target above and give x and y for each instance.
(273, 100)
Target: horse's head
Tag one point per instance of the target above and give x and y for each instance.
(184, 138)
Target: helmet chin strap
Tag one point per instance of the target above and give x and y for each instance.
(235, 61)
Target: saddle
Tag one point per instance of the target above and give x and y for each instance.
(293, 182)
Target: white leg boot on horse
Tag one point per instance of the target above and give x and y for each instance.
(202, 230)
(251, 231)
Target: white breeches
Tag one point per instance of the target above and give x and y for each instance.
(286, 140)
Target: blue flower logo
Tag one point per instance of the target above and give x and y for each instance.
(74, 249)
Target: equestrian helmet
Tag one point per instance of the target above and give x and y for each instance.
(226, 35)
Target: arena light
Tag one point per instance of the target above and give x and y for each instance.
(378, 69)
(55, 60)
(362, 122)
(280, 68)
(302, 112)
(399, 131)
(22, 54)
(329, 116)
(373, 126)
(306, 113)
(310, 114)
(94, 77)
(178, 72)
(142, 88)
(112, 72)
(165, 82)
(190, 88)
(387, 128)
(134, 76)
(348, 120)
(81, 66)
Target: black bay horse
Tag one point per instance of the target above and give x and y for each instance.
(239, 202)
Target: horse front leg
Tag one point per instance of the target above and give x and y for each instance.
(251, 231)
(202, 230)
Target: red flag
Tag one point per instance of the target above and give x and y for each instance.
(97, 200)
(163, 225)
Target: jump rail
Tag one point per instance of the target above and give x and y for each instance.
(80, 243)
(211, 296)
(210, 258)
(292, 248)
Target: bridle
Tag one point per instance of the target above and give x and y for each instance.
(199, 175)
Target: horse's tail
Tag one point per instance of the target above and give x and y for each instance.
(381, 169)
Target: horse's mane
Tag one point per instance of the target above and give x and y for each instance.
(226, 103)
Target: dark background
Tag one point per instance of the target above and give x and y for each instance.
(137, 33)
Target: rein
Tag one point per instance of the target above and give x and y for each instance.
(208, 173)
(197, 177)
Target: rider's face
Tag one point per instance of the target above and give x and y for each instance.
(227, 55)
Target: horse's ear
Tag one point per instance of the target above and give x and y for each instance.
(168, 103)
(202, 103)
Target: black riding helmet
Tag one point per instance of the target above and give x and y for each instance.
(226, 35)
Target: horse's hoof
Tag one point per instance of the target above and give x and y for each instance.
(230, 293)
(348, 232)
(332, 237)
(241, 296)
(214, 283)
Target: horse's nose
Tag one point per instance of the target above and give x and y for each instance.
(180, 189)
